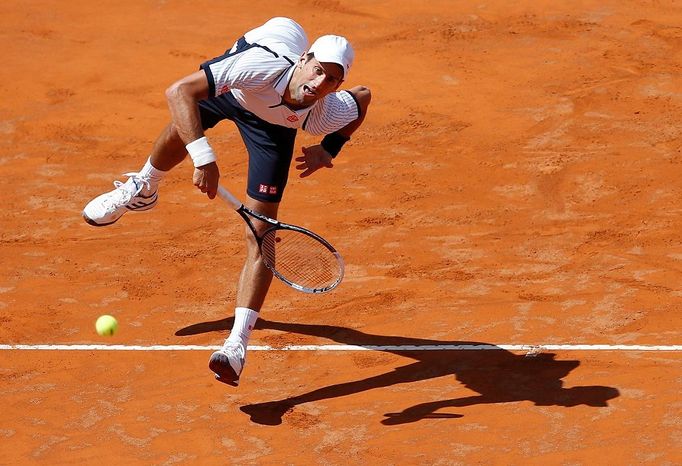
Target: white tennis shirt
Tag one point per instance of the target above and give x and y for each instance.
(258, 76)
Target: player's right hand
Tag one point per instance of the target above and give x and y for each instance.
(206, 178)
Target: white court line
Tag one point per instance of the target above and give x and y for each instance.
(528, 348)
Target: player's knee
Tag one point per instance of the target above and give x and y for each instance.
(173, 91)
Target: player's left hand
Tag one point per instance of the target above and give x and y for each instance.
(313, 158)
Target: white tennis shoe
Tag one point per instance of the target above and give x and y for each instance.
(109, 207)
(228, 362)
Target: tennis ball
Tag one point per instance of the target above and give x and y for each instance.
(106, 325)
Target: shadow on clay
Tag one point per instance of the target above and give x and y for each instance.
(498, 376)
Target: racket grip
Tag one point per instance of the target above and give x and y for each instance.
(227, 196)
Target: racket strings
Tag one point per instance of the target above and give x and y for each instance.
(301, 259)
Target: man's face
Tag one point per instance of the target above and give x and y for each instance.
(313, 81)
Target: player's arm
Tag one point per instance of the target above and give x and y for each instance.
(321, 155)
(183, 97)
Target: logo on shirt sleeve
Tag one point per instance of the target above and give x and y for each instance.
(292, 118)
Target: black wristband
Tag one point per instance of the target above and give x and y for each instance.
(333, 143)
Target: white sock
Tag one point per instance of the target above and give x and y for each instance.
(244, 321)
(153, 174)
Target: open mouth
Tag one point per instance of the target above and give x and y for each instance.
(308, 91)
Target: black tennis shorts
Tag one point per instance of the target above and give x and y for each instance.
(270, 147)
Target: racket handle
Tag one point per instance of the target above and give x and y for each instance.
(227, 196)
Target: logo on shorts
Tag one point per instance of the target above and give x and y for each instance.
(292, 118)
(267, 189)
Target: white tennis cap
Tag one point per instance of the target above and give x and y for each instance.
(334, 49)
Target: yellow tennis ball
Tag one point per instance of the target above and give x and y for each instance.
(106, 325)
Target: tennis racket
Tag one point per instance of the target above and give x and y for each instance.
(300, 258)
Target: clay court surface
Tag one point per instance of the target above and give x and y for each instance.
(517, 182)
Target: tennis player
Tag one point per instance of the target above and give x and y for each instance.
(269, 83)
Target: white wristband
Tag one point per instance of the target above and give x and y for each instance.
(201, 152)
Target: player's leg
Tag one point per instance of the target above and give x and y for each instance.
(140, 191)
(255, 277)
(270, 150)
(253, 286)
(169, 150)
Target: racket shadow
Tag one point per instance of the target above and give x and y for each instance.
(498, 376)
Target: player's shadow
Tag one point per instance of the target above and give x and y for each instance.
(496, 375)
